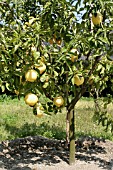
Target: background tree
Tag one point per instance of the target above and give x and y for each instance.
(60, 41)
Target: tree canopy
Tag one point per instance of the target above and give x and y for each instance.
(61, 36)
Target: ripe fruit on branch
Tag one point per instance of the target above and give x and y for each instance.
(31, 99)
(31, 75)
(75, 54)
(78, 80)
(97, 18)
(58, 101)
(41, 67)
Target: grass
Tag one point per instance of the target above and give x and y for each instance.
(17, 120)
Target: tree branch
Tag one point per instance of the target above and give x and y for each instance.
(84, 86)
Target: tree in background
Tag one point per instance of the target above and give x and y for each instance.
(52, 51)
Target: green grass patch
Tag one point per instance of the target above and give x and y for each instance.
(17, 120)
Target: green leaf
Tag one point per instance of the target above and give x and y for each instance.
(47, 5)
(7, 86)
(55, 73)
(3, 88)
(36, 54)
(43, 77)
(72, 80)
(102, 4)
(102, 70)
(45, 85)
(16, 47)
(104, 40)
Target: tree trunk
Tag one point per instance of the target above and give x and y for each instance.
(72, 138)
(67, 129)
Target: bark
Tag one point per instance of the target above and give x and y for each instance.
(72, 138)
(70, 127)
(67, 129)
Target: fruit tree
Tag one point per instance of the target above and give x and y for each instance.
(52, 51)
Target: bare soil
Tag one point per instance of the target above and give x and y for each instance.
(39, 153)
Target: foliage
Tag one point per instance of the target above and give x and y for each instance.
(28, 24)
(103, 113)
(36, 33)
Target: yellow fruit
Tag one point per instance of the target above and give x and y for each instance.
(97, 19)
(31, 75)
(74, 57)
(78, 80)
(41, 67)
(58, 101)
(31, 99)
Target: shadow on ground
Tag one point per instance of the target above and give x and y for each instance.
(18, 154)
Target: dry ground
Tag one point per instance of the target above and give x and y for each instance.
(39, 153)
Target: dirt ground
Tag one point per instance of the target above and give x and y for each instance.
(39, 153)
